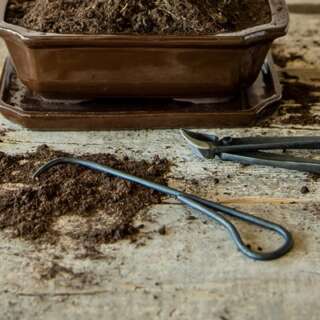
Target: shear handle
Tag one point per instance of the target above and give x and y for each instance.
(263, 140)
(233, 148)
(273, 160)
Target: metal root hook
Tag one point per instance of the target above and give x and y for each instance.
(208, 208)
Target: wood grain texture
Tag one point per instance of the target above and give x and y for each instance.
(193, 272)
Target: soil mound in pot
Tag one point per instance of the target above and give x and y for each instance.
(138, 16)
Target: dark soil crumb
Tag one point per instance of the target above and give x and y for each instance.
(163, 230)
(191, 218)
(107, 206)
(2, 134)
(138, 16)
(304, 190)
(216, 181)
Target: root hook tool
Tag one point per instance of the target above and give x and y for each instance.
(208, 208)
(249, 150)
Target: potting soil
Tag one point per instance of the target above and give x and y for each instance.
(138, 16)
(107, 206)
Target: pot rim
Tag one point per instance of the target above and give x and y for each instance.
(277, 27)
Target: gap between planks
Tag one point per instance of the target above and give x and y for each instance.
(252, 200)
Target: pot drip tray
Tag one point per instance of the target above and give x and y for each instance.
(19, 105)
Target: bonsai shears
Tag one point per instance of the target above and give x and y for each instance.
(212, 210)
(255, 150)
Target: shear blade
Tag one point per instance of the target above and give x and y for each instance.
(199, 140)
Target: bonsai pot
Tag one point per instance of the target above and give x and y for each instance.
(82, 66)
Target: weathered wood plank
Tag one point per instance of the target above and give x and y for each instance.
(193, 272)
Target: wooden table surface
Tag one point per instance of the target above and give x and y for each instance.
(193, 272)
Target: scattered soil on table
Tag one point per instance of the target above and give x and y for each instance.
(137, 16)
(2, 134)
(282, 56)
(298, 98)
(107, 207)
(302, 99)
(301, 86)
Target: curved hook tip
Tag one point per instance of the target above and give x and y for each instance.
(49, 165)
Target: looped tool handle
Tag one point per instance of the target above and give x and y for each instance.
(210, 209)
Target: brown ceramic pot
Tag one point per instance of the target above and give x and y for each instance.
(70, 66)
